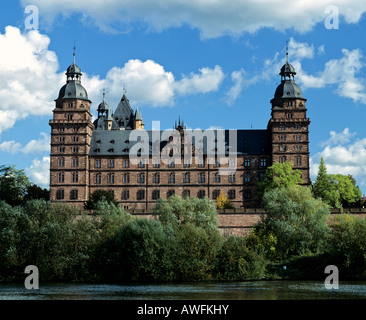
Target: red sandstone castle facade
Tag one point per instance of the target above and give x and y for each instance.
(87, 156)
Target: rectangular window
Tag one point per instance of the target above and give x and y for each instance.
(201, 194)
(60, 194)
(98, 163)
(202, 178)
(217, 177)
(232, 178)
(126, 178)
(141, 178)
(75, 162)
(298, 161)
(74, 194)
(247, 163)
(232, 163)
(231, 194)
(155, 194)
(111, 178)
(75, 177)
(111, 163)
(156, 163)
(140, 194)
(215, 194)
(202, 163)
(125, 194)
(126, 163)
(263, 162)
(141, 164)
(217, 163)
(247, 177)
(98, 178)
(156, 178)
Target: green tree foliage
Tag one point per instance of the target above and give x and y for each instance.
(335, 189)
(195, 252)
(13, 185)
(237, 261)
(279, 175)
(36, 192)
(99, 195)
(296, 219)
(140, 251)
(176, 211)
(347, 245)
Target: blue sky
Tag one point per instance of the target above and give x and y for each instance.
(213, 63)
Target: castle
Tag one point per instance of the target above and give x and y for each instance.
(89, 155)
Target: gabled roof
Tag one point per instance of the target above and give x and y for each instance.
(123, 115)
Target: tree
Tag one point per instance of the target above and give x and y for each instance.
(336, 190)
(13, 185)
(296, 219)
(279, 175)
(36, 192)
(347, 245)
(177, 211)
(99, 195)
(323, 188)
(223, 202)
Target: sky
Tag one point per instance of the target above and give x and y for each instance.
(214, 64)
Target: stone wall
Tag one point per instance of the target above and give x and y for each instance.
(240, 223)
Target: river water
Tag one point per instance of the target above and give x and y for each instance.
(246, 290)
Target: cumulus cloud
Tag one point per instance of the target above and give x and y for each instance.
(32, 147)
(343, 153)
(149, 83)
(28, 67)
(211, 18)
(38, 172)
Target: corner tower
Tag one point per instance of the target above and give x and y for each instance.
(71, 130)
(289, 126)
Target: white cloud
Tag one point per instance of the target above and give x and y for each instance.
(208, 80)
(30, 79)
(34, 146)
(212, 18)
(235, 90)
(38, 172)
(10, 146)
(149, 83)
(27, 68)
(343, 154)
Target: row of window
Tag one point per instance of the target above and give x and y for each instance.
(298, 160)
(284, 127)
(156, 163)
(171, 178)
(155, 194)
(156, 177)
(284, 148)
(283, 137)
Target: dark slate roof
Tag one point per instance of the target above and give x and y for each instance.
(73, 89)
(124, 114)
(288, 89)
(117, 142)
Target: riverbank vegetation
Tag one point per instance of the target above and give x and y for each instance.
(296, 239)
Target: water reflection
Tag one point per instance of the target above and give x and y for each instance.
(255, 290)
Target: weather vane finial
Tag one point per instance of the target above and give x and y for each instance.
(124, 89)
(103, 94)
(287, 51)
(74, 51)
